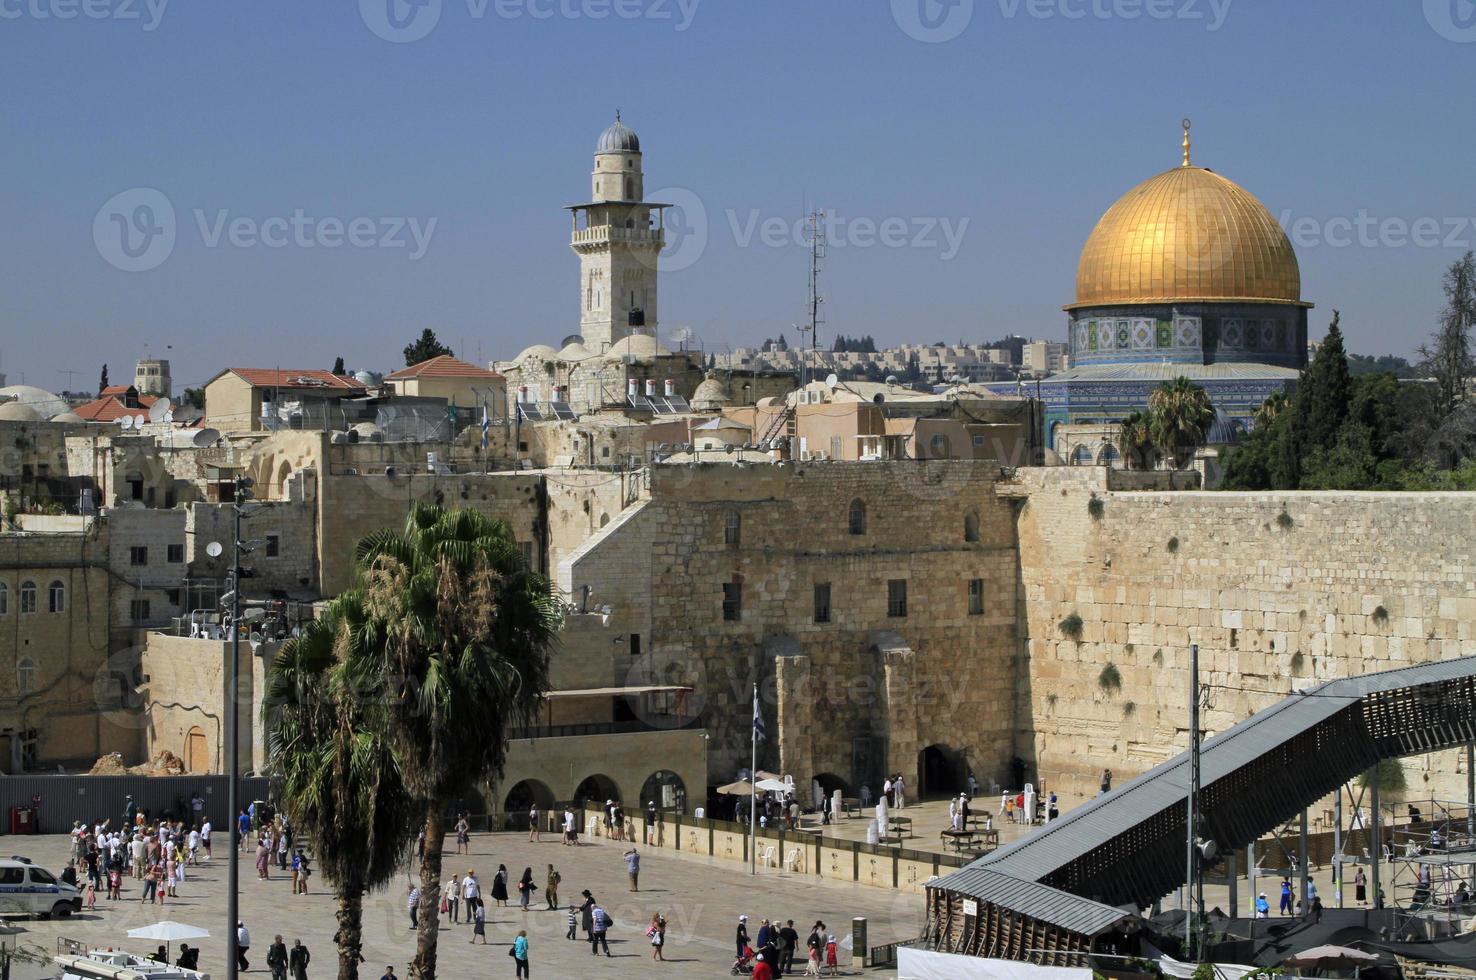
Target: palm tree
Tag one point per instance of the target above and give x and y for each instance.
(341, 784)
(1179, 416)
(464, 629)
(1137, 441)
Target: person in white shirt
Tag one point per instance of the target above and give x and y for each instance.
(471, 891)
(194, 845)
(205, 837)
(533, 824)
(570, 837)
(243, 943)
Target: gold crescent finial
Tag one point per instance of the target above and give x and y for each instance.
(1186, 141)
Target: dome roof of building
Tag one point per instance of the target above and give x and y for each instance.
(68, 417)
(46, 404)
(574, 351)
(710, 395)
(19, 412)
(538, 352)
(1187, 235)
(619, 138)
(636, 345)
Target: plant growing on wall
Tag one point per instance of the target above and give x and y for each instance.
(1095, 508)
(1284, 520)
(1071, 626)
(1110, 679)
(1389, 774)
(1297, 661)
(1380, 614)
(1158, 655)
(1173, 546)
(1129, 708)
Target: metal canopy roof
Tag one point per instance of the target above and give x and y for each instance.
(1126, 848)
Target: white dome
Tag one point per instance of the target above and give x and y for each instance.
(69, 417)
(19, 412)
(538, 352)
(636, 345)
(710, 396)
(43, 401)
(573, 351)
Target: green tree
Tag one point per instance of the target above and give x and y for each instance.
(102, 381)
(425, 348)
(467, 628)
(1323, 392)
(1448, 356)
(338, 368)
(194, 396)
(1179, 418)
(341, 783)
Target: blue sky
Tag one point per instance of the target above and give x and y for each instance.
(1016, 133)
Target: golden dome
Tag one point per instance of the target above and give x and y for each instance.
(1187, 235)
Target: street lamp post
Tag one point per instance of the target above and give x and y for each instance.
(233, 735)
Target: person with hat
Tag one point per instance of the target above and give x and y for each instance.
(1263, 907)
(740, 938)
(471, 891)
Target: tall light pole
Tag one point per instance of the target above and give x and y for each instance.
(1193, 884)
(233, 733)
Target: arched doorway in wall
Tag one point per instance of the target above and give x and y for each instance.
(284, 472)
(941, 772)
(596, 789)
(666, 789)
(196, 751)
(521, 798)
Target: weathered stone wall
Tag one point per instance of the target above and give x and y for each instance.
(844, 709)
(1280, 591)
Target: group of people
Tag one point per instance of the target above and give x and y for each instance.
(155, 854)
(771, 952)
(275, 840)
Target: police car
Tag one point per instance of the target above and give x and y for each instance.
(28, 890)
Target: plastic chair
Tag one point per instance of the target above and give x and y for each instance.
(768, 857)
(794, 859)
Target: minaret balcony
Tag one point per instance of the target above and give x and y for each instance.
(607, 234)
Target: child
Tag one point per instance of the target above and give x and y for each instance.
(115, 884)
(479, 918)
(832, 960)
(573, 921)
(91, 894)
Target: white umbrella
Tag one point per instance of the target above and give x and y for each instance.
(773, 786)
(168, 932)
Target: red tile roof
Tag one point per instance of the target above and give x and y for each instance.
(114, 390)
(111, 408)
(294, 378)
(444, 366)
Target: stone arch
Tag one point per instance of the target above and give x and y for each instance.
(521, 797)
(942, 771)
(1081, 456)
(1109, 456)
(596, 788)
(830, 782)
(666, 789)
(280, 477)
(971, 527)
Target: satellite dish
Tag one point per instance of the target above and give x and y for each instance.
(891, 379)
(832, 381)
(205, 438)
(213, 549)
(123, 421)
(253, 615)
(168, 418)
(158, 410)
(130, 422)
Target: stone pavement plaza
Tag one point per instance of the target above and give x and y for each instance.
(700, 897)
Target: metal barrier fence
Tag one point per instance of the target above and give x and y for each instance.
(59, 800)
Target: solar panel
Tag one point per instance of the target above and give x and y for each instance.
(562, 410)
(641, 403)
(660, 407)
(678, 404)
(530, 411)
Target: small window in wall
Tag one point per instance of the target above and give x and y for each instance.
(27, 598)
(527, 548)
(635, 644)
(733, 529)
(25, 676)
(858, 517)
(138, 555)
(976, 597)
(822, 602)
(733, 601)
(138, 610)
(971, 527)
(274, 545)
(56, 597)
(175, 554)
(4, 599)
(897, 598)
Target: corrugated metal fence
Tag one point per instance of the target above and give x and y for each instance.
(89, 799)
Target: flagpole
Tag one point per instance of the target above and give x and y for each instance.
(753, 788)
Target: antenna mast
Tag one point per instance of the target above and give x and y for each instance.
(817, 252)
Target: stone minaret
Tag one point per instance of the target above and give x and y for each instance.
(618, 237)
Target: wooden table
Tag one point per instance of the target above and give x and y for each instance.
(899, 824)
(961, 840)
(850, 805)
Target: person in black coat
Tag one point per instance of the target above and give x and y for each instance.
(499, 885)
(586, 913)
(298, 960)
(277, 959)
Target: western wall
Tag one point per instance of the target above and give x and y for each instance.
(1280, 591)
